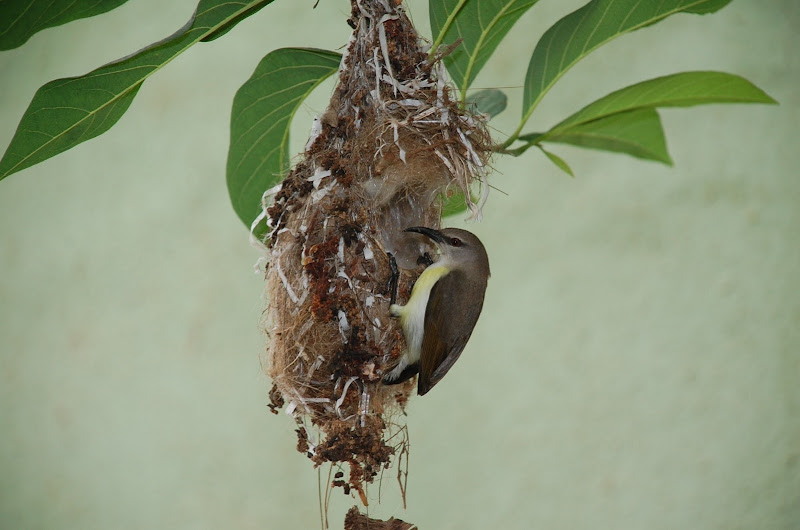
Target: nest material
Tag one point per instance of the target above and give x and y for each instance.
(355, 520)
(391, 143)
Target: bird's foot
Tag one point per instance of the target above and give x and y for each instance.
(400, 373)
(391, 285)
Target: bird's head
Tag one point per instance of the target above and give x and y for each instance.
(456, 248)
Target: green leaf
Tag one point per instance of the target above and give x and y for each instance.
(626, 120)
(260, 120)
(20, 19)
(637, 132)
(481, 24)
(454, 204)
(579, 33)
(558, 161)
(229, 25)
(531, 137)
(66, 112)
(677, 90)
(490, 102)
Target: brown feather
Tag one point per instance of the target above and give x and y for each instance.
(449, 321)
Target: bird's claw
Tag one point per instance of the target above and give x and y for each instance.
(391, 285)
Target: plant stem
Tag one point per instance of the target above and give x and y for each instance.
(503, 149)
(447, 24)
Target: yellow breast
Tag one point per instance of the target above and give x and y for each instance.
(412, 315)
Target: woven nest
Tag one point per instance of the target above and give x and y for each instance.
(391, 144)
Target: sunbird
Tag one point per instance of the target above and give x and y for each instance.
(443, 308)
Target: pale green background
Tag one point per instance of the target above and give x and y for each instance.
(637, 365)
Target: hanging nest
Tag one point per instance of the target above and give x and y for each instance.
(381, 158)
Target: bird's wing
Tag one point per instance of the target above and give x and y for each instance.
(448, 325)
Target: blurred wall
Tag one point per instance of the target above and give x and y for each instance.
(637, 364)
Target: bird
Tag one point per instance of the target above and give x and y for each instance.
(444, 306)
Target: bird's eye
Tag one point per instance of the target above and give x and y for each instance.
(455, 242)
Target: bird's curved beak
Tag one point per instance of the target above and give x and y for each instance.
(430, 233)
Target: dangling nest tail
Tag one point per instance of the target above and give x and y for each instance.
(387, 149)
